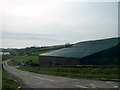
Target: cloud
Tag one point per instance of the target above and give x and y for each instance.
(52, 17)
(58, 21)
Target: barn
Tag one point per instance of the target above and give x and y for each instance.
(96, 52)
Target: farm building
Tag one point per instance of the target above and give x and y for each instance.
(98, 52)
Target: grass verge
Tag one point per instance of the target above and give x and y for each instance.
(0, 79)
(84, 72)
(7, 82)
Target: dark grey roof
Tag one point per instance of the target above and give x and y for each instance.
(83, 49)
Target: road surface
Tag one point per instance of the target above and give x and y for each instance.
(34, 80)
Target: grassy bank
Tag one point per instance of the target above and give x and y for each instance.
(83, 72)
(18, 60)
(7, 82)
(0, 79)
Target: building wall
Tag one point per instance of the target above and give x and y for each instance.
(57, 61)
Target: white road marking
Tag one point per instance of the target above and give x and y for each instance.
(115, 86)
(109, 82)
(81, 86)
(18, 88)
(74, 79)
(91, 84)
(43, 78)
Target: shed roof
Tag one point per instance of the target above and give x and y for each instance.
(83, 49)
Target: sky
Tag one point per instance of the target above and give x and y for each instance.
(26, 23)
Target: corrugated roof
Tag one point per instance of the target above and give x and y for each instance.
(83, 49)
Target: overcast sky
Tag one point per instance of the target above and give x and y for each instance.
(48, 22)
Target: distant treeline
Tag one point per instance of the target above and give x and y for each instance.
(34, 50)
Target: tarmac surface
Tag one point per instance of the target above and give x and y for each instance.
(34, 80)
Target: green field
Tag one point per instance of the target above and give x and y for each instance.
(19, 60)
(7, 82)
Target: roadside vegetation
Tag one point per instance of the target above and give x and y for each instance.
(92, 72)
(0, 79)
(7, 82)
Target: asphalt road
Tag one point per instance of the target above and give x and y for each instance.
(34, 80)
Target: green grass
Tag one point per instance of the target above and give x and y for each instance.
(7, 82)
(96, 73)
(19, 60)
(0, 79)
